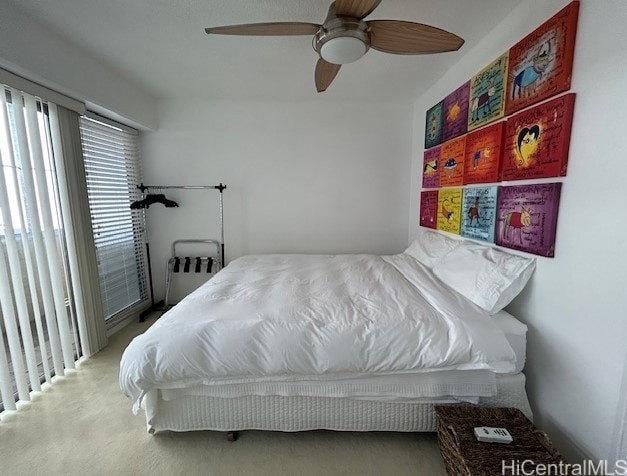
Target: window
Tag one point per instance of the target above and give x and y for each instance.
(113, 172)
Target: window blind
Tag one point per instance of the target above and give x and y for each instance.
(112, 170)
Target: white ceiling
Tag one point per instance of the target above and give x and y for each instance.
(161, 45)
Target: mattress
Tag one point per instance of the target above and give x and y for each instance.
(272, 318)
(452, 385)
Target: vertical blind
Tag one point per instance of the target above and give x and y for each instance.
(113, 171)
(38, 332)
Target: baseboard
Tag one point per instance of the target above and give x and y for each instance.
(120, 324)
(570, 449)
(619, 451)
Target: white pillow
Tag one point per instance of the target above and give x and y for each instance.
(430, 247)
(489, 277)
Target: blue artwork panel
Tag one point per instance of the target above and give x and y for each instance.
(479, 213)
(434, 125)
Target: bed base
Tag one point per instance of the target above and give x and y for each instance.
(300, 413)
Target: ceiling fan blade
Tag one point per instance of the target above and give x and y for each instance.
(325, 74)
(355, 8)
(266, 29)
(409, 38)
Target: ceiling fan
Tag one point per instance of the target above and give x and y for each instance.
(344, 37)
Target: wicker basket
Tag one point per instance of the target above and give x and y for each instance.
(464, 455)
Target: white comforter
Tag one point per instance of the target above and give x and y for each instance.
(304, 317)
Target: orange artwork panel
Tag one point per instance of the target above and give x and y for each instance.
(484, 149)
(452, 163)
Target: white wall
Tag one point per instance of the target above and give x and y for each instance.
(576, 303)
(31, 50)
(312, 177)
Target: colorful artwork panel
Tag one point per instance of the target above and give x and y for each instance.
(452, 163)
(456, 113)
(433, 126)
(449, 210)
(430, 168)
(487, 94)
(429, 208)
(537, 140)
(484, 149)
(527, 218)
(540, 65)
(479, 213)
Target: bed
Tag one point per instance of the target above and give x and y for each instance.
(340, 342)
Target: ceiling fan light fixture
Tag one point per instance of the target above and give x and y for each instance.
(342, 40)
(343, 49)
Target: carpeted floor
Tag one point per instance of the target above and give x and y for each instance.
(83, 425)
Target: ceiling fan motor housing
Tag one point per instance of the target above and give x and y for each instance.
(342, 40)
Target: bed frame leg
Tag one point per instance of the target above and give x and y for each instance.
(231, 435)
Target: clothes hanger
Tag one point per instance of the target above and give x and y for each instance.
(151, 199)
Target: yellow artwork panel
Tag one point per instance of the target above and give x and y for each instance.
(450, 210)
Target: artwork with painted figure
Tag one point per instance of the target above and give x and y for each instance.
(434, 125)
(527, 217)
(529, 78)
(487, 94)
(540, 65)
(537, 140)
(431, 168)
(484, 149)
(527, 145)
(449, 210)
(452, 160)
(479, 213)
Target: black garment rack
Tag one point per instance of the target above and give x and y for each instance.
(220, 187)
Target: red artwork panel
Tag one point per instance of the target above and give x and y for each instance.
(540, 65)
(429, 208)
(452, 163)
(430, 168)
(483, 154)
(537, 140)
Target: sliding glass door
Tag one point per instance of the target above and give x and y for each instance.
(39, 337)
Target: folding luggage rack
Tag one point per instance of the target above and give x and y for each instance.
(208, 263)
